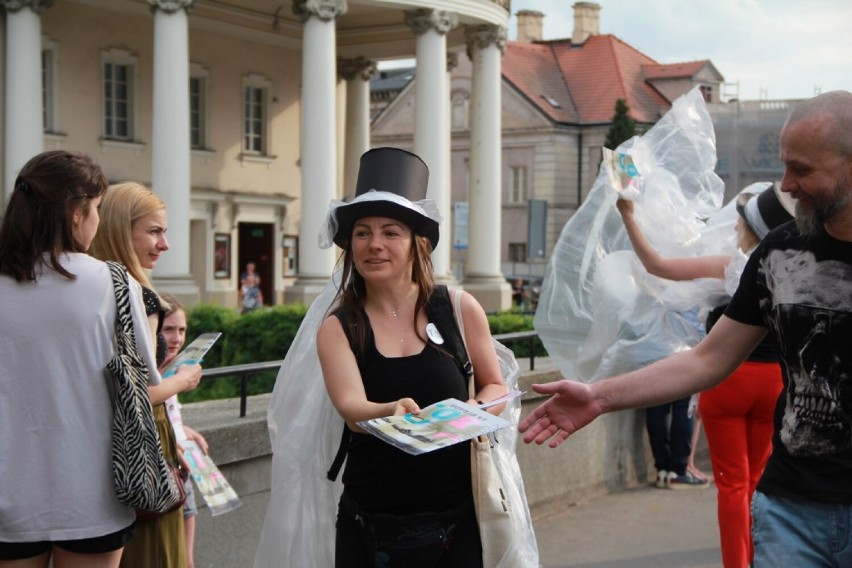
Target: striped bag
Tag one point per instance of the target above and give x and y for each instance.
(140, 474)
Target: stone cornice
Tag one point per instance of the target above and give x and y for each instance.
(36, 6)
(171, 6)
(423, 20)
(348, 69)
(325, 10)
(482, 36)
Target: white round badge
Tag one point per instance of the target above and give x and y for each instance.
(433, 334)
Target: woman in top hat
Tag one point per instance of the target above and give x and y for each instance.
(380, 356)
(738, 413)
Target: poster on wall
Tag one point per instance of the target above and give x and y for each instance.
(290, 244)
(222, 255)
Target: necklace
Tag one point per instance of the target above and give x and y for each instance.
(393, 312)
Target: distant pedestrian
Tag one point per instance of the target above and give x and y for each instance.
(251, 297)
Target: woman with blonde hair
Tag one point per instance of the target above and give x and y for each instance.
(133, 232)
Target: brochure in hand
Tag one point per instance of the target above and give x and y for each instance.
(623, 174)
(193, 353)
(217, 492)
(437, 426)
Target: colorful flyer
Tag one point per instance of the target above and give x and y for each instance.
(217, 492)
(623, 174)
(192, 353)
(437, 426)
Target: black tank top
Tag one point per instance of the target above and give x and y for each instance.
(384, 479)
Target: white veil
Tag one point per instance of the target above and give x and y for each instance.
(305, 432)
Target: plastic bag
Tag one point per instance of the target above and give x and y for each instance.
(600, 313)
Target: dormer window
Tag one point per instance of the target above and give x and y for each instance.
(553, 102)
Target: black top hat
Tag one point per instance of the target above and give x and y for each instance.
(390, 182)
(765, 210)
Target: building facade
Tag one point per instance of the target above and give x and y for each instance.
(557, 102)
(246, 116)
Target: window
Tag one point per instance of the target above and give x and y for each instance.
(255, 115)
(518, 189)
(49, 97)
(517, 252)
(198, 77)
(119, 73)
(460, 103)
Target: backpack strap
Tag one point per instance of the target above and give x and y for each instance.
(440, 312)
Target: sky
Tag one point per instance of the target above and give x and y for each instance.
(774, 49)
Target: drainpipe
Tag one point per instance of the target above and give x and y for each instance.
(579, 168)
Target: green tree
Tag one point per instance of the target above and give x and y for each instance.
(623, 127)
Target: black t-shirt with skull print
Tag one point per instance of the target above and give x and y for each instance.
(801, 290)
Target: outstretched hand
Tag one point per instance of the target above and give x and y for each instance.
(571, 407)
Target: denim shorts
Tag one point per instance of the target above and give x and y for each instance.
(798, 532)
(96, 545)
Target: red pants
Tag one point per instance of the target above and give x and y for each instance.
(738, 421)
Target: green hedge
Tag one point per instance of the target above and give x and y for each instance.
(266, 335)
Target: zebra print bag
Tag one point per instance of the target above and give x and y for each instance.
(140, 474)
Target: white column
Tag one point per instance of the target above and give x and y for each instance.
(170, 148)
(483, 274)
(450, 277)
(357, 74)
(431, 136)
(24, 136)
(318, 143)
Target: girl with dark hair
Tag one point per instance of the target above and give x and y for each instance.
(57, 502)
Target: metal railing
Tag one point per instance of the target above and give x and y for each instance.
(246, 371)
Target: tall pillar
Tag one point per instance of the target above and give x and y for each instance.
(431, 112)
(24, 136)
(357, 74)
(318, 142)
(170, 147)
(484, 277)
(450, 278)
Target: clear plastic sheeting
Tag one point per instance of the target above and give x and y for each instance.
(600, 313)
(305, 432)
(522, 552)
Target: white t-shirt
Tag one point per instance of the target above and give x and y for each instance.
(56, 337)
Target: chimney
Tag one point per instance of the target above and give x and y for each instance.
(529, 25)
(587, 21)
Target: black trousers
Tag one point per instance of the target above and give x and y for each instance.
(464, 549)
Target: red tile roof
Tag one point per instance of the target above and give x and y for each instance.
(587, 79)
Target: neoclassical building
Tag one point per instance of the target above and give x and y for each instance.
(248, 116)
(557, 99)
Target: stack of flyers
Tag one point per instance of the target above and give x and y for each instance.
(439, 425)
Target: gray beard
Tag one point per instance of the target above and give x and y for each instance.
(811, 220)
